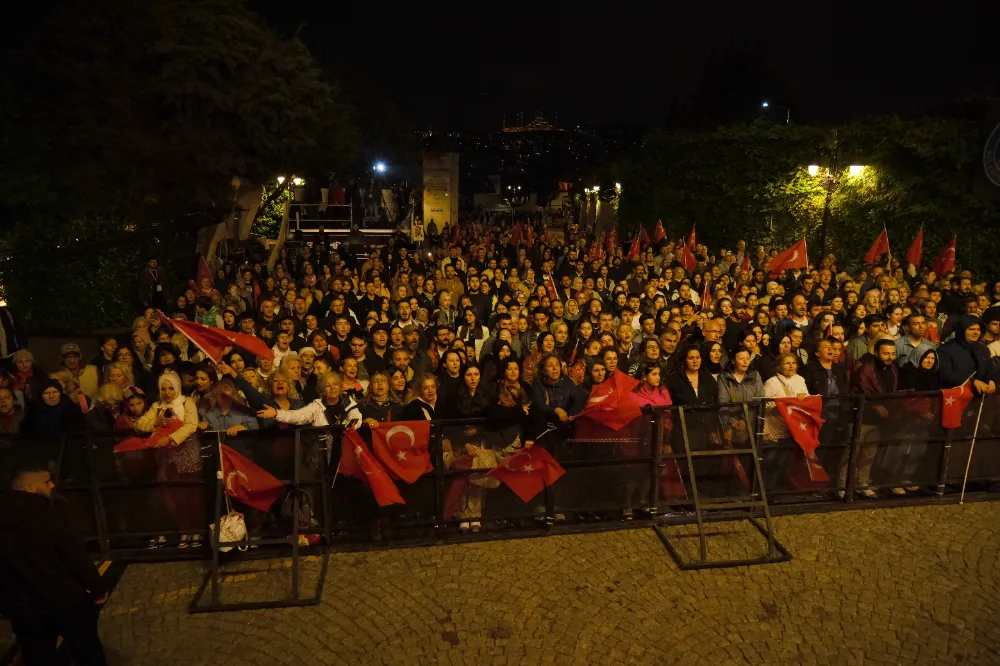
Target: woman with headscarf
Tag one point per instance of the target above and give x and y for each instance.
(711, 352)
(27, 378)
(179, 456)
(769, 362)
(963, 358)
(902, 460)
(494, 364)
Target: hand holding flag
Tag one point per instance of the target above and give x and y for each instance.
(528, 472)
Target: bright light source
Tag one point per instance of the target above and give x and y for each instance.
(380, 167)
(813, 169)
(281, 179)
(518, 187)
(586, 190)
(510, 187)
(855, 169)
(296, 181)
(618, 186)
(597, 188)
(765, 104)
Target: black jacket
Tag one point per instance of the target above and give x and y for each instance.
(818, 382)
(43, 565)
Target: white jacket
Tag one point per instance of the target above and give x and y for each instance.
(314, 414)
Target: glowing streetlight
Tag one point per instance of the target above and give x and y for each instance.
(855, 169)
(586, 190)
(380, 167)
(296, 181)
(813, 169)
(597, 188)
(281, 179)
(765, 104)
(518, 187)
(618, 186)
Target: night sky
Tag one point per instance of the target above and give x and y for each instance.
(622, 62)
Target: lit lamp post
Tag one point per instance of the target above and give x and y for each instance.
(831, 182)
(766, 105)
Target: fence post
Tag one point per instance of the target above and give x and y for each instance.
(439, 478)
(656, 437)
(943, 466)
(218, 524)
(296, 479)
(852, 471)
(97, 499)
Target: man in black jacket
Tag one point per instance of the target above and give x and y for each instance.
(48, 584)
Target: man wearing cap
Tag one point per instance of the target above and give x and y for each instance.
(86, 375)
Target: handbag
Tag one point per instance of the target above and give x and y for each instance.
(232, 528)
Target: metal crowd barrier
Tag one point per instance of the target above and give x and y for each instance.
(124, 503)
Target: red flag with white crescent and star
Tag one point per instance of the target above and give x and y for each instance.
(803, 417)
(793, 257)
(214, 341)
(247, 482)
(528, 471)
(688, 261)
(357, 461)
(611, 403)
(945, 260)
(633, 251)
(953, 404)
(659, 233)
(402, 448)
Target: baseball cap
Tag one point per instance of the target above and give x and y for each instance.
(70, 348)
(410, 328)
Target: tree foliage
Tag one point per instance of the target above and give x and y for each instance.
(125, 115)
(752, 182)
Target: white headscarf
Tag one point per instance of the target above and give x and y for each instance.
(177, 406)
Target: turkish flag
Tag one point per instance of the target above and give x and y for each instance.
(204, 271)
(633, 251)
(745, 266)
(793, 257)
(247, 482)
(528, 471)
(945, 260)
(611, 402)
(643, 236)
(611, 241)
(691, 239)
(402, 448)
(550, 287)
(688, 262)
(515, 235)
(529, 237)
(151, 442)
(706, 296)
(916, 251)
(953, 404)
(357, 461)
(213, 341)
(880, 247)
(658, 233)
(803, 419)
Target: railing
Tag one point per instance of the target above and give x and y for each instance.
(879, 442)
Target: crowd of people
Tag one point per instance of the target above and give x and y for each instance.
(480, 326)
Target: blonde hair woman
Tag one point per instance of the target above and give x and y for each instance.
(120, 374)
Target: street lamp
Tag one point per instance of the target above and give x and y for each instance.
(380, 167)
(788, 112)
(281, 179)
(765, 104)
(597, 188)
(618, 186)
(855, 169)
(586, 190)
(296, 181)
(813, 169)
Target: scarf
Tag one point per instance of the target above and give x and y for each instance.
(177, 406)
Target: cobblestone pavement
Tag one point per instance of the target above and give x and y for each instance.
(900, 586)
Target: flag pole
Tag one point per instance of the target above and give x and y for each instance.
(968, 463)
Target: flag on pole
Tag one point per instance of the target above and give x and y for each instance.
(658, 233)
(357, 461)
(204, 271)
(880, 247)
(633, 251)
(688, 261)
(804, 419)
(793, 257)
(643, 237)
(611, 403)
(247, 482)
(706, 296)
(945, 260)
(214, 341)
(953, 404)
(916, 251)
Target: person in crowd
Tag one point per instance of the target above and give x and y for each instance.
(554, 394)
(53, 412)
(333, 408)
(422, 399)
(180, 458)
(964, 358)
(86, 376)
(107, 407)
(11, 413)
(27, 377)
(49, 585)
(779, 446)
(108, 347)
(228, 412)
(876, 373)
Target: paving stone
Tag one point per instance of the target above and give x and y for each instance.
(901, 586)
